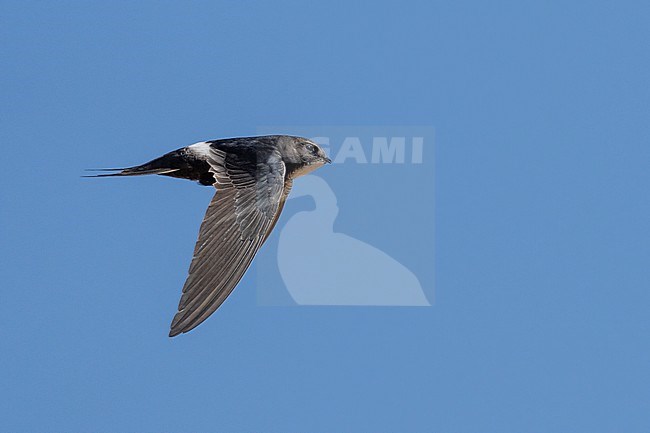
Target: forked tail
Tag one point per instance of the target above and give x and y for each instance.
(180, 163)
(130, 171)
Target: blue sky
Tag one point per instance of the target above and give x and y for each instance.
(540, 321)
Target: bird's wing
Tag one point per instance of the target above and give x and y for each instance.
(245, 208)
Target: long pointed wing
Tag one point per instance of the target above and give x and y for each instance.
(239, 218)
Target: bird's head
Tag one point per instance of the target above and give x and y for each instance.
(303, 156)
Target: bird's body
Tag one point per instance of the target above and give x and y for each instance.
(253, 177)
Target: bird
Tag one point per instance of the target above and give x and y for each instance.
(253, 177)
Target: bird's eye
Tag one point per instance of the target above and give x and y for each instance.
(312, 148)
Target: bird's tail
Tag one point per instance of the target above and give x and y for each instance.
(179, 164)
(139, 170)
(166, 164)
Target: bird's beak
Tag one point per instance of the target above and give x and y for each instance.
(327, 160)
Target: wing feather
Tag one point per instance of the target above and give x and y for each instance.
(249, 199)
